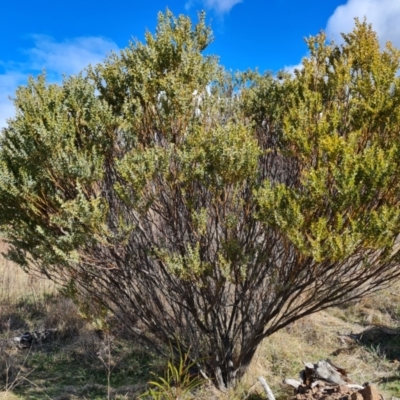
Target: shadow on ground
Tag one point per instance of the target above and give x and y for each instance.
(56, 370)
(382, 340)
(75, 362)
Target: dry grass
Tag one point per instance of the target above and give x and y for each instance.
(15, 284)
(70, 367)
(323, 335)
(8, 396)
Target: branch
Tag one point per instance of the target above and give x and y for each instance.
(267, 389)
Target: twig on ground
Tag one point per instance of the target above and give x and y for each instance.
(267, 389)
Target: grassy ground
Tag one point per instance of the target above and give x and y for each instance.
(82, 363)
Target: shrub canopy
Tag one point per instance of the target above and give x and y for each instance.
(205, 209)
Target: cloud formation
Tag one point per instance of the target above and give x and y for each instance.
(9, 81)
(68, 57)
(291, 68)
(383, 14)
(219, 6)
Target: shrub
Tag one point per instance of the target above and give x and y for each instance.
(214, 209)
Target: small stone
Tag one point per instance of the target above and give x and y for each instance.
(370, 393)
(329, 390)
(302, 389)
(343, 389)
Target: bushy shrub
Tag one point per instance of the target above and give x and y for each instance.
(213, 209)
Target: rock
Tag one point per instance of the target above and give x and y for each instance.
(370, 393)
(357, 396)
(24, 340)
(302, 389)
(343, 389)
(27, 339)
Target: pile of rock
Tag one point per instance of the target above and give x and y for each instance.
(326, 381)
(27, 339)
(327, 392)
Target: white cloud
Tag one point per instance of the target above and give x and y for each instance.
(219, 6)
(57, 58)
(383, 14)
(69, 56)
(291, 68)
(9, 81)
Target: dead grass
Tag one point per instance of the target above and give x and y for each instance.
(367, 357)
(16, 285)
(323, 335)
(70, 368)
(8, 396)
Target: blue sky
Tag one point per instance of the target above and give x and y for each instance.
(64, 36)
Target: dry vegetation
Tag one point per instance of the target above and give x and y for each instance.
(79, 361)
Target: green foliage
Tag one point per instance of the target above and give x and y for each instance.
(341, 126)
(221, 156)
(212, 208)
(51, 162)
(178, 382)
